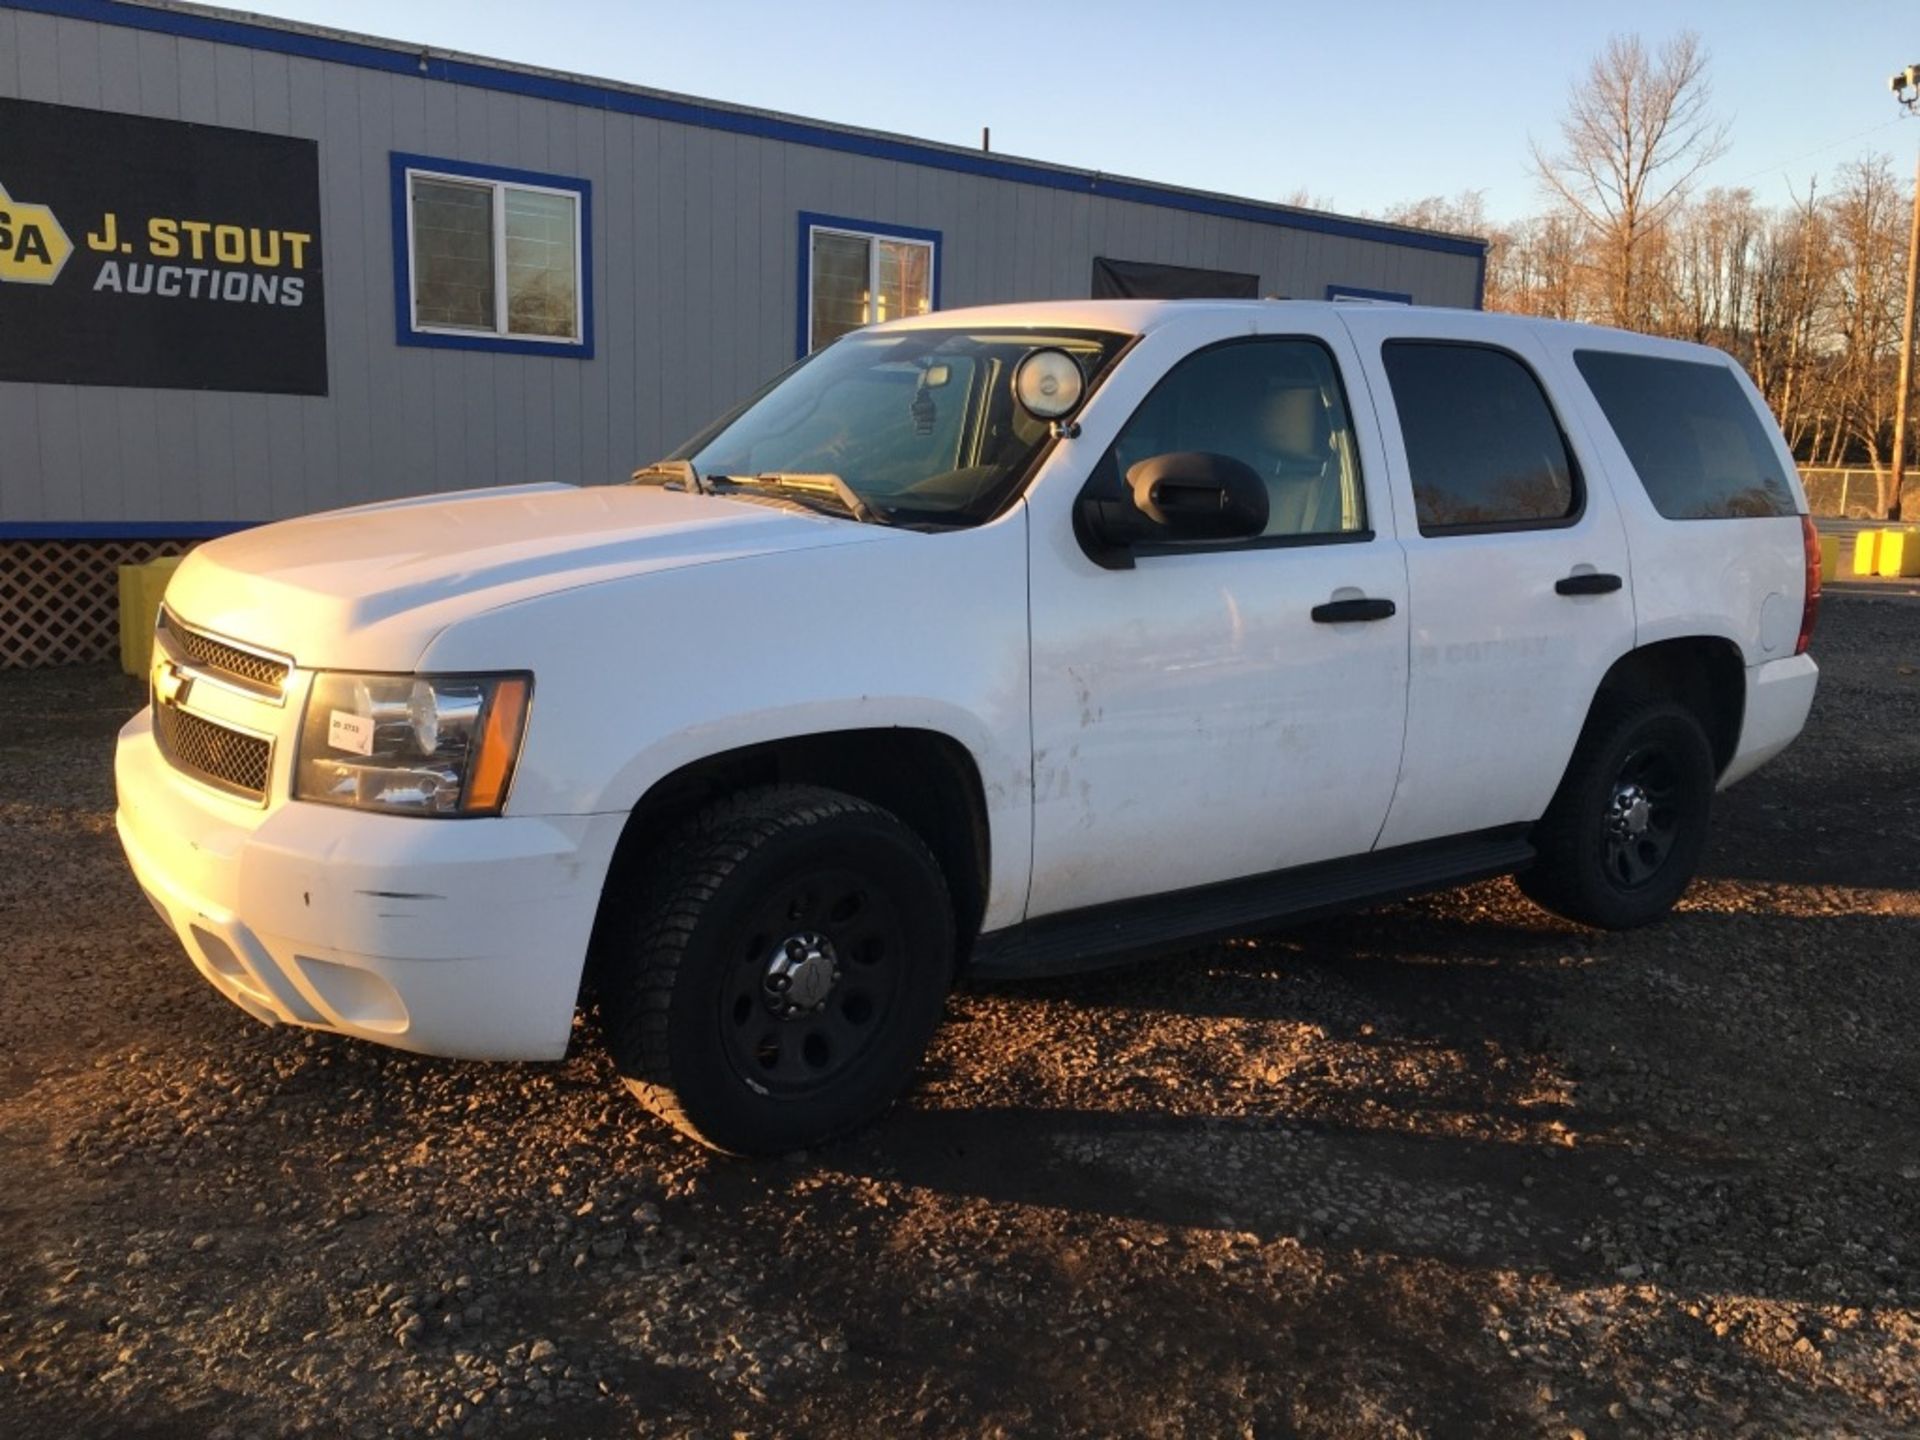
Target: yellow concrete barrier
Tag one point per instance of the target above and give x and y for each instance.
(141, 588)
(1830, 547)
(1899, 552)
(1866, 552)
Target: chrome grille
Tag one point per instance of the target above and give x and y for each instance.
(226, 759)
(247, 668)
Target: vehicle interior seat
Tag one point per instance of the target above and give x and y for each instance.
(1304, 491)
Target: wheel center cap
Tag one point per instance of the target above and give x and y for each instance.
(1630, 812)
(800, 975)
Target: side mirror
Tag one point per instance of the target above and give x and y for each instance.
(1197, 495)
(1185, 495)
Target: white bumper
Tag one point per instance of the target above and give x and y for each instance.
(1779, 695)
(449, 937)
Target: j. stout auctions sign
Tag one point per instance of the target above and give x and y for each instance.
(150, 252)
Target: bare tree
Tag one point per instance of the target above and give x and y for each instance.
(1789, 301)
(1867, 215)
(1638, 131)
(1807, 296)
(1301, 198)
(1462, 214)
(1703, 276)
(1537, 270)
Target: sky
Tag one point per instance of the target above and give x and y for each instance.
(1359, 105)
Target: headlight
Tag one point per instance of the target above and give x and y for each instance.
(412, 744)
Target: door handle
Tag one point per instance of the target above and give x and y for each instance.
(1587, 583)
(1339, 612)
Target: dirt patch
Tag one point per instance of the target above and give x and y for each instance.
(1449, 1167)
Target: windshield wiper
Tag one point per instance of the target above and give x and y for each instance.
(822, 491)
(669, 473)
(809, 489)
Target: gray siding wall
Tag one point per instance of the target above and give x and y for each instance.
(695, 285)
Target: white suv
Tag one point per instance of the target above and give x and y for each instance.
(1005, 641)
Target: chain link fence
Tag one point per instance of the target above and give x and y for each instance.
(1854, 494)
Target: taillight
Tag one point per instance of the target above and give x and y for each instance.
(1809, 611)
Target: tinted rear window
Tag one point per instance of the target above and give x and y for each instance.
(1690, 431)
(1483, 446)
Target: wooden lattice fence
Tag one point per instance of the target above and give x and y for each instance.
(60, 599)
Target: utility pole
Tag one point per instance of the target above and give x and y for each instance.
(1906, 89)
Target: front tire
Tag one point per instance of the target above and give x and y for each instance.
(1620, 842)
(781, 969)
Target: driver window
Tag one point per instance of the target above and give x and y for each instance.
(1274, 405)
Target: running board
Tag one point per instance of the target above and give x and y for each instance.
(1130, 929)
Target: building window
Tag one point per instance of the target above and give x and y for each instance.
(491, 259)
(857, 273)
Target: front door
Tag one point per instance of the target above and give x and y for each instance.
(1193, 720)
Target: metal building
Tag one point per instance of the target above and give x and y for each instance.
(250, 269)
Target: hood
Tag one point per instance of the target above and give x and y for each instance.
(371, 586)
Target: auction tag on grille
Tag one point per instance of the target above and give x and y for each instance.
(350, 732)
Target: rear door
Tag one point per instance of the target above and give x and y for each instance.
(1517, 567)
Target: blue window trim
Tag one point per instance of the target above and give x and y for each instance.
(1356, 292)
(428, 65)
(811, 218)
(404, 332)
(122, 529)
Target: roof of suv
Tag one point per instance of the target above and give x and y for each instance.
(1133, 316)
(1138, 317)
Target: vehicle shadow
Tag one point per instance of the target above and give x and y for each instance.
(1837, 822)
(1709, 1106)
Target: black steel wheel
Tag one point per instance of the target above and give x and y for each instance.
(819, 966)
(1623, 836)
(773, 979)
(1641, 822)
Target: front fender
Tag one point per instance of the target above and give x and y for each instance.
(637, 677)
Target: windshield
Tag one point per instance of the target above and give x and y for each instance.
(920, 424)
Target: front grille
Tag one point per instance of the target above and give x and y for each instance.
(212, 753)
(244, 667)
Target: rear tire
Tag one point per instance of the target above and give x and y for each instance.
(779, 970)
(1624, 834)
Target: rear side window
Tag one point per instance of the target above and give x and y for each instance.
(1690, 431)
(1483, 446)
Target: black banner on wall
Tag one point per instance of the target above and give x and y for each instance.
(1143, 280)
(152, 252)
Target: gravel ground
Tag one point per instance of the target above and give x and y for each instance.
(1449, 1167)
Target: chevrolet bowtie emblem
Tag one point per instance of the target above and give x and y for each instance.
(169, 685)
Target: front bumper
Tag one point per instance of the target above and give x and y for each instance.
(450, 937)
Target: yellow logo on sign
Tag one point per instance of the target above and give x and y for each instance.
(33, 247)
